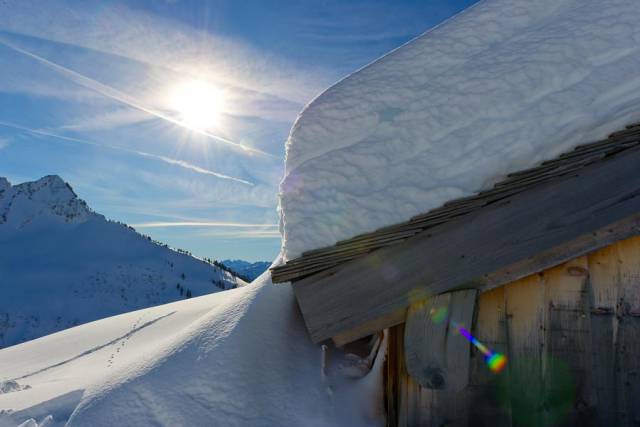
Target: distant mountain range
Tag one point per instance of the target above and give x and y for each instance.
(61, 264)
(245, 269)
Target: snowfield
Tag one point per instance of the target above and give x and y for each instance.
(62, 264)
(235, 358)
(502, 86)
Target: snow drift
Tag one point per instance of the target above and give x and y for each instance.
(235, 358)
(498, 88)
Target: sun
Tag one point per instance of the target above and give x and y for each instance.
(197, 103)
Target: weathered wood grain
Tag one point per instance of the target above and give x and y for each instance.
(571, 336)
(418, 406)
(425, 342)
(409, 411)
(458, 348)
(487, 391)
(524, 305)
(567, 360)
(392, 379)
(529, 232)
(628, 337)
(603, 295)
(392, 319)
(437, 356)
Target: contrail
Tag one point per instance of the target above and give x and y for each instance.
(168, 160)
(121, 97)
(201, 224)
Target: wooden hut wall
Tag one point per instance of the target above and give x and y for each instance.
(572, 338)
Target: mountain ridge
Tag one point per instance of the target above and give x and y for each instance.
(248, 270)
(62, 264)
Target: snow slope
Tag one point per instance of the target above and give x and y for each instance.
(250, 270)
(498, 88)
(62, 264)
(235, 358)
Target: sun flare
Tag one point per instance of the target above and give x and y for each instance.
(198, 104)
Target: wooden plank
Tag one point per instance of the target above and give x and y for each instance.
(603, 296)
(524, 305)
(458, 348)
(578, 247)
(408, 401)
(449, 406)
(444, 212)
(629, 131)
(544, 175)
(312, 264)
(392, 319)
(360, 243)
(535, 230)
(567, 359)
(583, 245)
(628, 372)
(424, 407)
(437, 356)
(425, 341)
(628, 340)
(392, 379)
(619, 143)
(311, 271)
(487, 390)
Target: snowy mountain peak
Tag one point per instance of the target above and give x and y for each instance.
(48, 198)
(50, 187)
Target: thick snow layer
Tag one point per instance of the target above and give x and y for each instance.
(235, 358)
(62, 264)
(500, 87)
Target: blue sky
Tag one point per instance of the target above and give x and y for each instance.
(88, 92)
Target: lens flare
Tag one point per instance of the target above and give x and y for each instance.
(495, 361)
(439, 315)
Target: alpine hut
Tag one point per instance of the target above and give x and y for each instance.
(490, 173)
(544, 268)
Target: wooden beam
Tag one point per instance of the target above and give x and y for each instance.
(392, 319)
(517, 236)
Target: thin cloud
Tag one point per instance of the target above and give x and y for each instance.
(255, 234)
(235, 230)
(121, 97)
(4, 142)
(108, 120)
(166, 224)
(166, 43)
(168, 160)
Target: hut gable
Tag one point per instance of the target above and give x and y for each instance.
(535, 219)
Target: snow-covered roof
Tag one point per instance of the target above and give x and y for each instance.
(537, 219)
(498, 88)
(549, 172)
